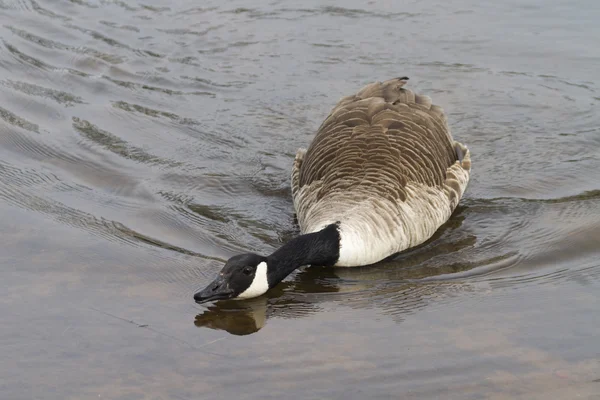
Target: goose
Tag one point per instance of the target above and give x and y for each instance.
(381, 175)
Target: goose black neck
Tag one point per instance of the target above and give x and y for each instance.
(317, 248)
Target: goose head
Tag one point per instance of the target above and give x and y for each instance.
(244, 276)
(250, 275)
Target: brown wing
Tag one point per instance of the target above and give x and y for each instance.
(385, 134)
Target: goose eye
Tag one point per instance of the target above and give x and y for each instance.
(247, 270)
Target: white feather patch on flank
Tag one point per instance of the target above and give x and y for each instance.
(259, 285)
(372, 229)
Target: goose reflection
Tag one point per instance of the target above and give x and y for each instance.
(290, 299)
(394, 286)
(236, 317)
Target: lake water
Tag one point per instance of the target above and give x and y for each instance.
(144, 143)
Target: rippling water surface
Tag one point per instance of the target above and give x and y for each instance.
(144, 143)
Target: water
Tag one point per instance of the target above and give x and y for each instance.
(143, 143)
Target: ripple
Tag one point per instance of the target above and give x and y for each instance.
(47, 13)
(354, 13)
(21, 187)
(123, 27)
(209, 84)
(185, 31)
(562, 231)
(15, 5)
(28, 60)
(88, 4)
(456, 67)
(51, 44)
(116, 145)
(69, 216)
(135, 108)
(59, 96)
(231, 46)
(27, 177)
(329, 45)
(215, 228)
(196, 10)
(214, 186)
(13, 119)
(162, 90)
(34, 148)
(113, 42)
(154, 9)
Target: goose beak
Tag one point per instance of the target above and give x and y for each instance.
(217, 290)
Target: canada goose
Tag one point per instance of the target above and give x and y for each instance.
(381, 175)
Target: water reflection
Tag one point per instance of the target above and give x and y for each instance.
(290, 299)
(393, 286)
(236, 317)
(479, 248)
(383, 288)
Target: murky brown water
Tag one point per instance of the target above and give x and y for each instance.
(143, 143)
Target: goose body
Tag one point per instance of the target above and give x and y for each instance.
(384, 166)
(381, 175)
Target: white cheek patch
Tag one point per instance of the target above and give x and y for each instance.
(259, 285)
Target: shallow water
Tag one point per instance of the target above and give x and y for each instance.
(142, 144)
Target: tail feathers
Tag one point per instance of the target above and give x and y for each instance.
(463, 155)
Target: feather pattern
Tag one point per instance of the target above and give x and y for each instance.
(384, 166)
